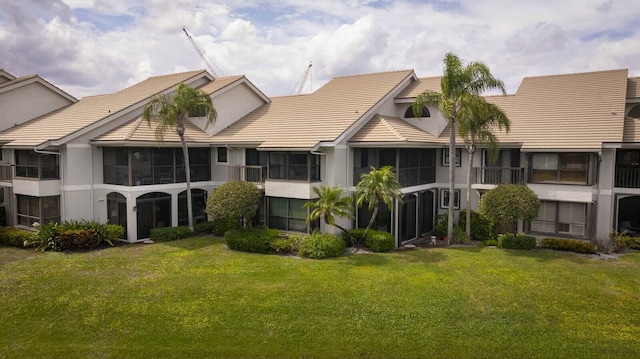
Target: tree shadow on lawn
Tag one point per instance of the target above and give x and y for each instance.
(367, 258)
(548, 255)
(194, 243)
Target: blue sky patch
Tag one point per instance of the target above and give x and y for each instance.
(103, 22)
(609, 34)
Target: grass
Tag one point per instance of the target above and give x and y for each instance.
(196, 299)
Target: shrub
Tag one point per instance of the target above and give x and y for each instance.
(442, 222)
(571, 245)
(624, 240)
(253, 240)
(379, 241)
(491, 242)
(15, 237)
(45, 237)
(77, 238)
(235, 199)
(286, 244)
(321, 245)
(166, 234)
(517, 241)
(508, 203)
(70, 235)
(203, 227)
(222, 225)
(482, 228)
(356, 233)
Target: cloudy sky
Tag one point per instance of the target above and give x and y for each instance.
(89, 47)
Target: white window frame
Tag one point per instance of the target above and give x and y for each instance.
(445, 157)
(218, 155)
(444, 198)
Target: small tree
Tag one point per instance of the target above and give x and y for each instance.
(377, 185)
(509, 203)
(331, 202)
(171, 111)
(234, 200)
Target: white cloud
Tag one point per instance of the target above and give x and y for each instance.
(272, 42)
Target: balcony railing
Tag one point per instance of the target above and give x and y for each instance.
(499, 175)
(627, 177)
(254, 174)
(6, 172)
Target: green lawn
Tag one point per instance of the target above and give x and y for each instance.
(196, 299)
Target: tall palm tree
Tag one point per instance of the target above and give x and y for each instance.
(171, 111)
(379, 184)
(332, 202)
(461, 86)
(477, 126)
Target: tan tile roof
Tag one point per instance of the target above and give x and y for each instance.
(140, 131)
(88, 111)
(572, 111)
(420, 86)
(381, 129)
(220, 83)
(303, 121)
(633, 87)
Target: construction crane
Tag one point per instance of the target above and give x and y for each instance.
(297, 90)
(204, 58)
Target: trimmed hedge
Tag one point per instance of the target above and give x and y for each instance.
(379, 241)
(166, 234)
(15, 237)
(321, 246)
(517, 241)
(571, 245)
(203, 228)
(222, 225)
(252, 240)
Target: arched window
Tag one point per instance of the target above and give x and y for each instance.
(635, 112)
(153, 211)
(198, 204)
(409, 113)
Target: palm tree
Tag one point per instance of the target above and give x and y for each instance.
(379, 184)
(171, 111)
(332, 202)
(460, 87)
(477, 126)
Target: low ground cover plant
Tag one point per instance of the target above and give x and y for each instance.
(571, 245)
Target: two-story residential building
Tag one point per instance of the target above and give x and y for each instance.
(21, 99)
(573, 141)
(97, 159)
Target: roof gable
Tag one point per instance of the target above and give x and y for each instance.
(27, 80)
(90, 112)
(302, 121)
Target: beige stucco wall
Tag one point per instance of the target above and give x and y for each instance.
(230, 106)
(27, 102)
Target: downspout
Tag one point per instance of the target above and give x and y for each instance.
(61, 172)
